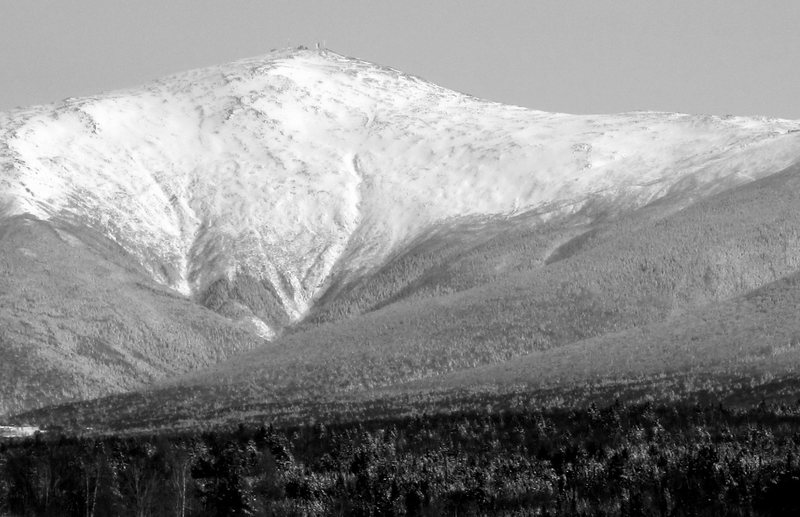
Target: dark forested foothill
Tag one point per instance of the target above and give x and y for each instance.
(617, 460)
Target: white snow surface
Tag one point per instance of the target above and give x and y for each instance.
(17, 431)
(279, 166)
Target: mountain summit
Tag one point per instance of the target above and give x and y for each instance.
(262, 188)
(292, 168)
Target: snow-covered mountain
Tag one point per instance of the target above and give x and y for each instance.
(292, 169)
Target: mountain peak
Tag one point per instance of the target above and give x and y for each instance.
(292, 169)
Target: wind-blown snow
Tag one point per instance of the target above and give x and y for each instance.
(274, 167)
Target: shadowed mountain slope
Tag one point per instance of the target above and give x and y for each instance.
(742, 350)
(736, 352)
(80, 319)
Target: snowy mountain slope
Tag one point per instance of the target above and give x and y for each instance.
(695, 259)
(290, 170)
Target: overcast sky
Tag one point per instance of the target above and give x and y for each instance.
(593, 56)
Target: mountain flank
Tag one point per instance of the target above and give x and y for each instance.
(695, 302)
(304, 225)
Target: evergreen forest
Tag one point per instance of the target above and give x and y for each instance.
(618, 460)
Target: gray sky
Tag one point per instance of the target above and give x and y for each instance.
(594, 56)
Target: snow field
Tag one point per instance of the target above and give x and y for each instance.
(279, 166)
